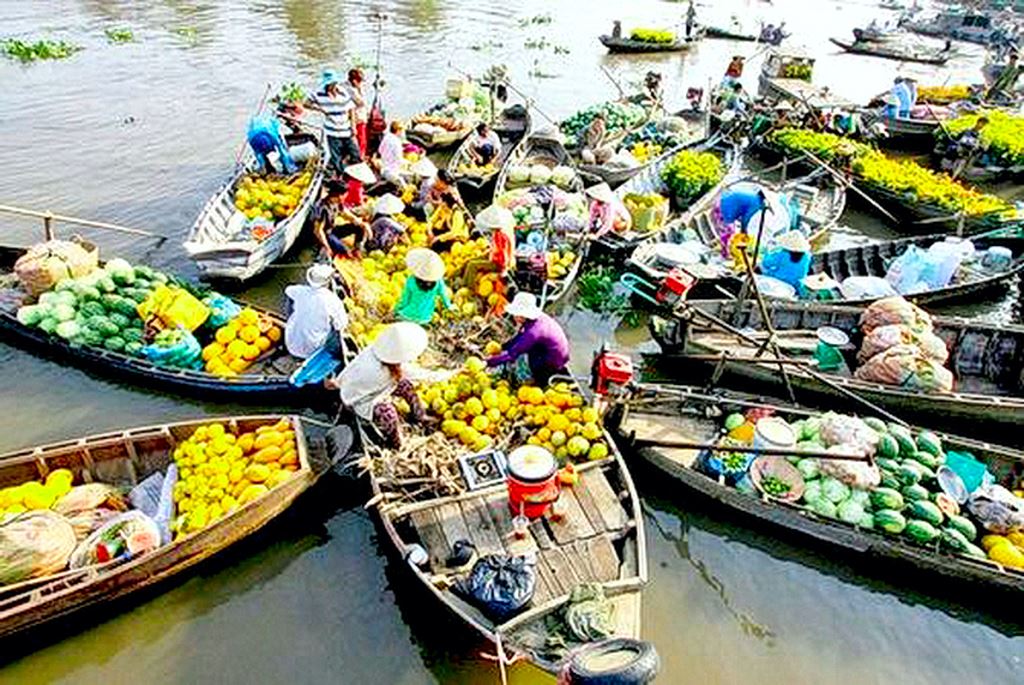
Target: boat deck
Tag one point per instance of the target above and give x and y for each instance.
(578, 547)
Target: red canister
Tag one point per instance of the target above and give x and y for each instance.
(532, 480)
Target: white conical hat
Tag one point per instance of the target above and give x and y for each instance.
(388, 204)
(602, 192)
(400, 343)
(794, 241)
(319, 275)
(361, 172)
(496, 217)
(425, 264)
(424, 168)
(524, 305)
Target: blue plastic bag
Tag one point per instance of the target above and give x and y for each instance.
(185, 354)
(222, 309)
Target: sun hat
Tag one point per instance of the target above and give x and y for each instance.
(524, 305)
(783, 106)
(424, 168)
(361, 172)
(425, 264)
(496, 218)
(388, 204)
(328, 77)
(602, 192)
(794, 241)
(819, 281)
(319, 275)
(400, 343)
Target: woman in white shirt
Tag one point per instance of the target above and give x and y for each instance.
(392, 157)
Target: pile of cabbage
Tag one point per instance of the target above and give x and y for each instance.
(538, 175)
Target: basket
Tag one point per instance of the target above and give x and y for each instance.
(781, 469)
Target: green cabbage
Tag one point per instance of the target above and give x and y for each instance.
(64, 312)
(30, 315)
(812, 491)
(68, 329)
(835, 491)
(48, 325)
(808, 468)
(822, 507)
(850, 511)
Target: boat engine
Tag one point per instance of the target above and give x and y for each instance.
(674, 288)
(611, 373)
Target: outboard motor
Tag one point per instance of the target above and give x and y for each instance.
(611, 373)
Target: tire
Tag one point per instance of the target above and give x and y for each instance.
(640, 667)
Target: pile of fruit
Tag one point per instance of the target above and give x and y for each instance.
(470, 168)
(797, 70)
(220, 470)
(691, 174)
(528, 207)
(1002, 136)
(942, 95)
(659, 36)
(436, 121)
(35, 494)
(97, 309)
(239, 342)
(477, 411)
(618, 116)
(645, 152)
(903, 176)
(560, 262)
(270, 197)
(1007, 550)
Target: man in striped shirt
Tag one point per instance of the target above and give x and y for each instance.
(339, 121)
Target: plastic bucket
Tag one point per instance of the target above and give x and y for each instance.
(772, 432)
(532, 480)
(303, 152)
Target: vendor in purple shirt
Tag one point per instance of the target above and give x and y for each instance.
(540, 338)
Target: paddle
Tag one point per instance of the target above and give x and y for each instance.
(851, 186)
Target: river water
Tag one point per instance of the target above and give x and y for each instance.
(142, 133)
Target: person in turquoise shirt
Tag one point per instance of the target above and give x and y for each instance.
(423, 288)
(790, 260)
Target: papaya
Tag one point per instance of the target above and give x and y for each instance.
(267, 454)
(253, 491)
(277, 478)
(289, 457)
(268, 439)
(257, 473)
(245, 441)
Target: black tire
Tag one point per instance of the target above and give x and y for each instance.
(640, 667)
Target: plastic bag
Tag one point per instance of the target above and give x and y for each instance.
(173, 306)
(500, 585)
(91, 496)
(906, 366)
(46, 264)
(146, 495)
(843, 429)
(186, 353)
(892, 310)
(907, 273)
(997, 509)
(857, 474)
(127, 535)
(883, 337)
(222, 309)
(34, 544)
(89, 521)
(866, 287)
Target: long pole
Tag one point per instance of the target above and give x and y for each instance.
(849, 184)
(49, 217)
(771, 341)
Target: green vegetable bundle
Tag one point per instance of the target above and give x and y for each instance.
(691, 174)
(618, 116)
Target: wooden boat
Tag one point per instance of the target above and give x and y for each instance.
(984, 359)
(512, 128)
(626, 45)
(739, 35)
(820, 211)
(679, 414)
(266, 380)
(787, 76)
(126, 458)
(887, 50)
(917, 217)
(441, 137)
(649, 181)
(599, 540)
(697, 130)
(213, 242)
(539, 147)
(956, 23)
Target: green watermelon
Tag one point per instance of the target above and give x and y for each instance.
(926, 511)
(886, 498)
(887, 447)
(120, 320)
(114, 343)
(133, 348)
(905, 440)
(953, 539)
(926, 459)
(867, 521)
(887, 464)
(89, 293)
(920, 532)
(929, 442)
(131, 335)
(890, 481)
(908, 474)
(964, 526)
(876, 424)
(972, 550)
(890, 521)
(915, 492)
(823, 507)
(103, 326)
(143, 271)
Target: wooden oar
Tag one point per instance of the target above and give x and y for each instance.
(766, 451)
(851, 186)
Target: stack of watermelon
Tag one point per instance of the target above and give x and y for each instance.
(98, 309)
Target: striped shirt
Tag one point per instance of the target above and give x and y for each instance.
(336, 113)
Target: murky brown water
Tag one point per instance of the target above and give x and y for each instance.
(142, 133)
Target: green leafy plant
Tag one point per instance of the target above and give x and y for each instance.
(120, 35)
(691, 174)
(39, 50)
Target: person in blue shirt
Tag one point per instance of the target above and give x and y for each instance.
(736, 205)
(264, 137)
(790, 260)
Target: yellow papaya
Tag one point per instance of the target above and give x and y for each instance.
(245, 441)
(257, 473)
(1007, 555)
(252, 492)
(268, 439)
(277, 478)
(289, 457)
(267, 454)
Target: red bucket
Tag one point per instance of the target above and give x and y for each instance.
(532, 480)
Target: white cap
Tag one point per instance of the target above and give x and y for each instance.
(319, 275)
(425, 264)
(400, 343)
(524, 305)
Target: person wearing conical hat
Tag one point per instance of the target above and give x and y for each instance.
(790, 260)
(607, 213)
(317, 314)
(423, 288)
(540, 338)
(380, 372)
(385, 230)
(357, 177)
(500, 223)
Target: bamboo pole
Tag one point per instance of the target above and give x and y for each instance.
(49, 217)
(764, 451)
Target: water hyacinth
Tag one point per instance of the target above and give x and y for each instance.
(38, 50)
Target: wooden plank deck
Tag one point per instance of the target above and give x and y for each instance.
(573, 547)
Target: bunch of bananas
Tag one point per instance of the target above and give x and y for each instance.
(691, 174)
